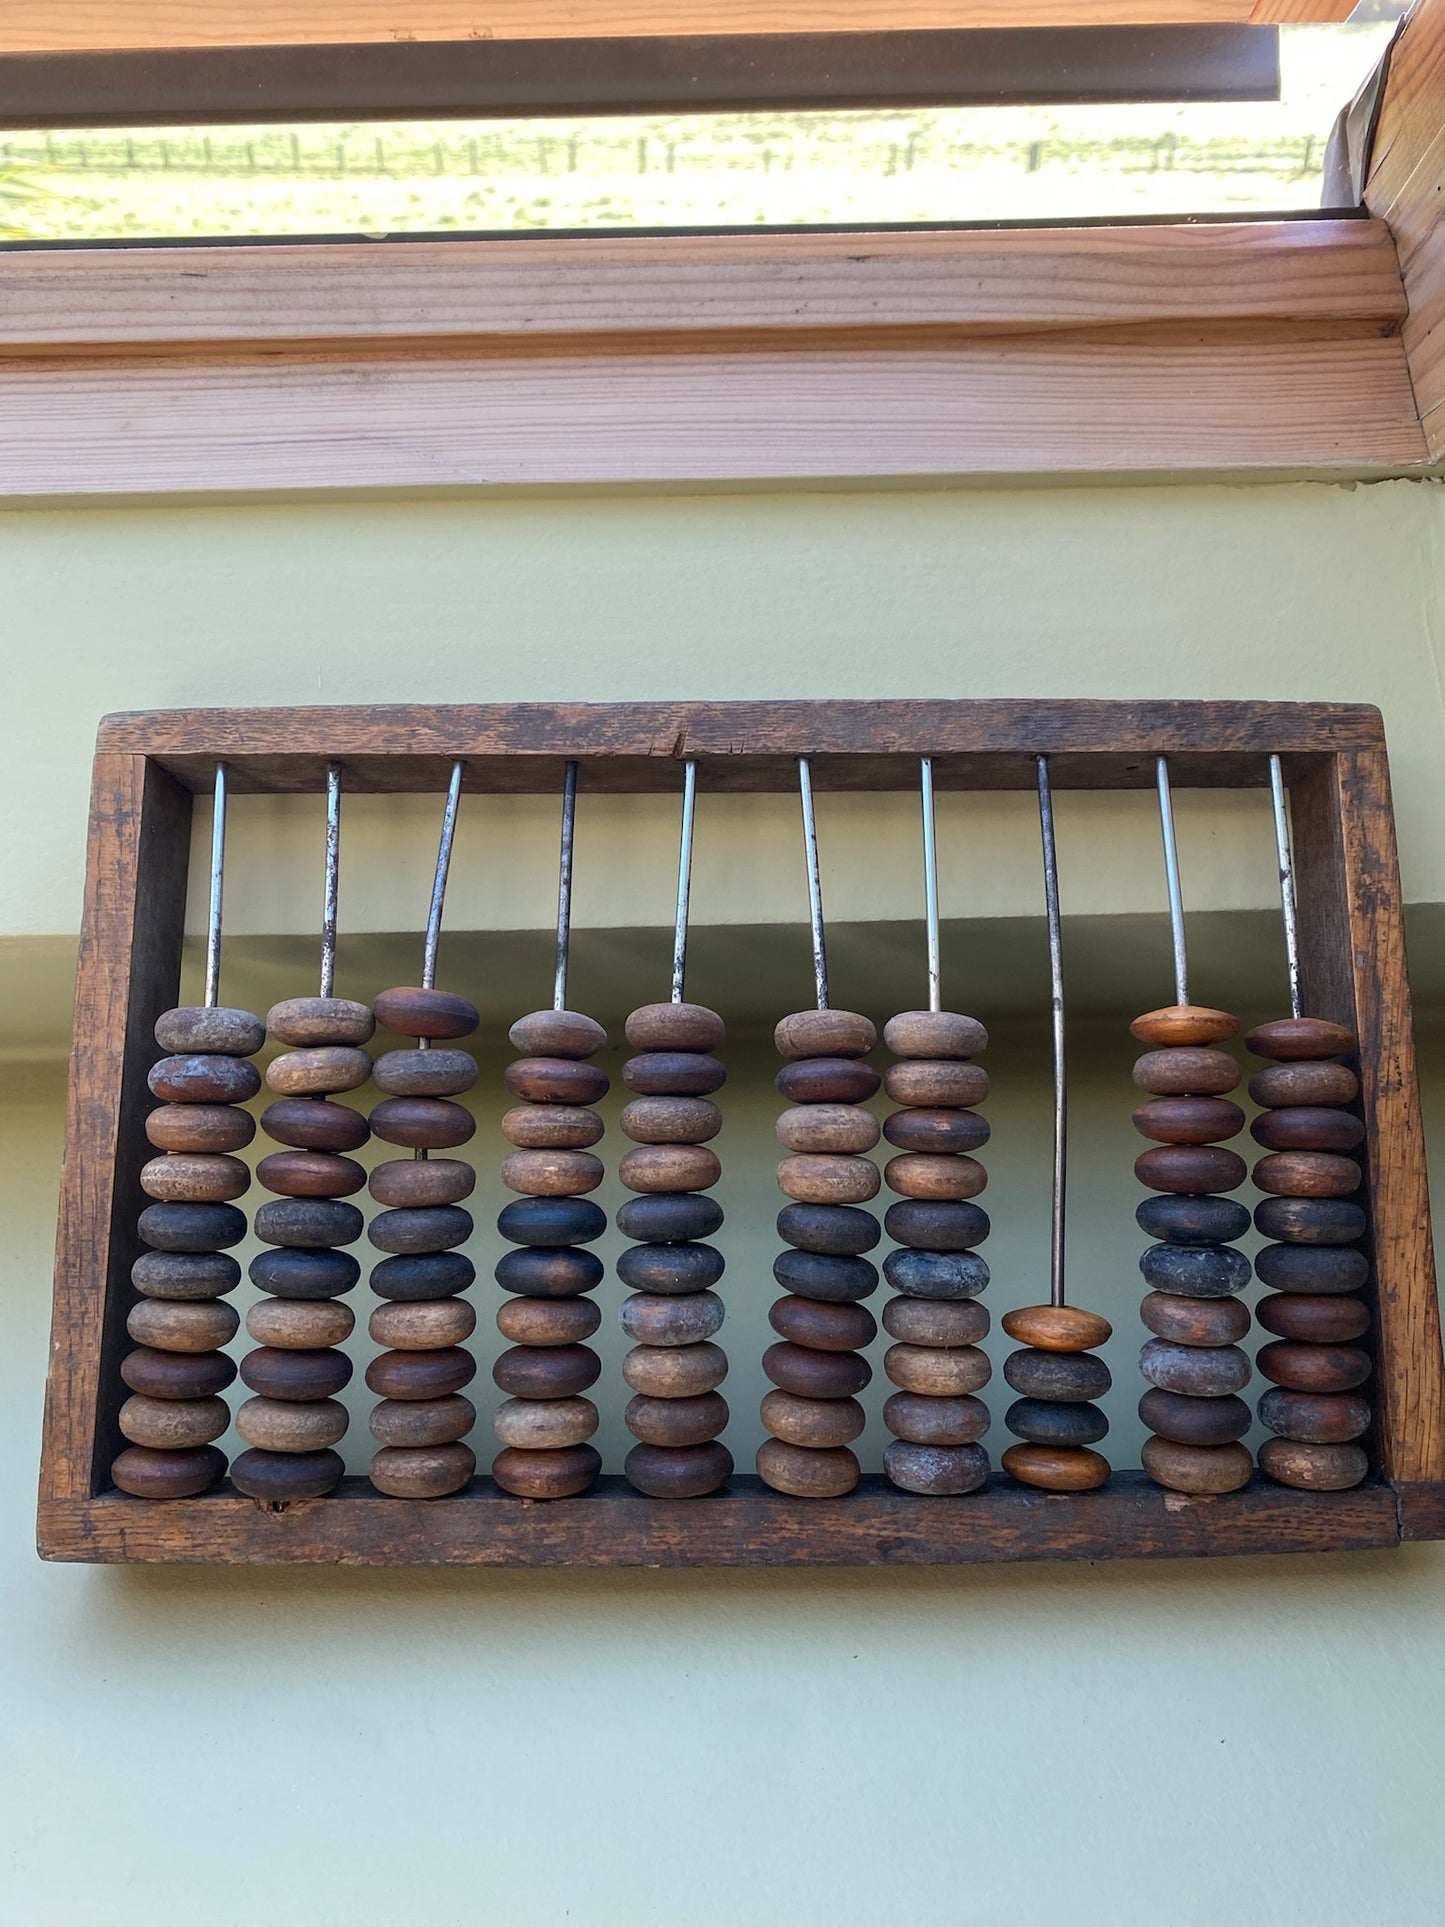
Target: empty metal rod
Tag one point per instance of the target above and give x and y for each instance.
(218, 865)
(684, 879)
(1286, 885)
(1056, 974)
(333, 878)
(439, 881)
(1171, 875)
(930, 885)
(564, 886)
(815, 885)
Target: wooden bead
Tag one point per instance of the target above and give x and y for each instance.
(827, 1080)
(557, 1033)
(546, 1371)
(158, 1374)
(682, 1371)
(669, 1217)
(210, 1129)
(935, 1227)
(420, 1275)
(199, 1029)
(283, 1478)
(1064, 1376)
(915, 1174)
(313, 1126)
(298, 1374)
(1200, 1371)
(672, 1321)
(304, 1274)
(1184, 1026)
(1313, 1468)
(548, 1321)
(836, 1229)
(540, 1272)
(1300, 1039)
(919, 1321)
(821, 1424)
(1310, 1221)
(1056, 1468)
(668, 1167)
(936, 1470)
(674, 1074)
(678, 1472)
(173, 1424)
(300, 1324)
(1195, 1421)
(552, 1174)
(1307, 1127)
(830, 1128)
(417, 1183)
(423, 1327)
(1315, 1269)
(1043, 1421)
(1187, 1073)
(1195, 1321)
(556, 1080)
(1314, 1368)
(936, 1275)
(413, 1012)
(1196, 1468)
(1196, 1271)
(422, 1123)
(934, 1033)
(670, 1120)
(1190, 1167)
(836, 1281)
(936, 1084)
(815, 1374)
(806, 1473)
(937, 1132)
(1287, 1085)
(824, 1033)
(551, 1221)
(201, 1326)
(828, 1180)
(1329, 1320)
(281, 1425)
(936, 1373)
(677, 1421)
(1315, 1418)
(304, 1022)
(1057, 1328)
(312, 1223)
(185, 1178)
(1188, 1120)
(551, 1127)
(148, 1474)
(422, 1421)
(310, 1174)
(317, 1073)
(924, 1419)
(185, 1274)
(422, 1374)
(1192, 1221)
(822, 1326)
(191, 1227)
(425, 1073)
(683, 1027)
(424, 1472)
(670, 1269)
(545, 1424)
(1308, 1174)
(547, 1475)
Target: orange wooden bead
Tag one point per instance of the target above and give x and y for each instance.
(1308, 1174)
(1184, 1024)
(1056, 1468)
(1057, 1328)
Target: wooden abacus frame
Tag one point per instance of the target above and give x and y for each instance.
(148, 767)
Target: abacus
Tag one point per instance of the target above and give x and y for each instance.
(1355, 1456)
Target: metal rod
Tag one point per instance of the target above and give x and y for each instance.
(1171, 874)
(815, 885)
(439, 881)
(333, 878)
(218, 866)
(930, 885)
(1056, 973)
(564, 886)
(1287, 898)
(684, 879)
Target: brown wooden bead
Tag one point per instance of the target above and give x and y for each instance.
(684, 1320)
(824, 1033)
(174, 1325)
(1057, 1328)
(183, 1177)
(421, 1374)
(690, 1027)
(1316, 1319)
(1196, 1468)
(939, 1133)
(422, 1421)
(547, 1475)
(159, 1374)
(173, 1424)
(827, 1080)
(312, 1125)
(934, 1033)
(423, 1325)
(923, 1419)
(1288, 1085)
(1195, 1321)
(317, 1073)
(414, 1012)
(1184, 1026)
(673, 1073)
(206, 1028)
(829, 1180)
(677, 1421)
(557, 1033)
(915, 1174)
(1190, 1168)
(552, 1174)
(210, 1129)
(204, 1079)
(283, 1478)
(938, 1471)
(1187, 1073)
(1293, 1040)
(678, 1472)
(823, 1326)
(935, 1372)
(1313, 1468)
(420, 1183)
(425, 1073)
(1195, 1421)
(545, 1424)
(556, 1080)
(1308, 1174)
(819, 1423)
(551, 1127)
(936, 1321)
(422, 1123)
(277, 1372)
(310, 1174)
(837, 1129)
(548, 1321)
(546, 1371)
(422, 1472)
(936, 1084)
(300, 1325)
(1188, 1120)
(806, 1473)
(306, 1022)
(680, 1371)
(1315, 1418)
(669, 1167)
(816, 1374)
(670, 1120)
(1313, 1368)
(283, 1425)
(1056, 1468)
(148, 1474)
(1307, 1127)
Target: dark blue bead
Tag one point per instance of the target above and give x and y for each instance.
(816, 1274)
(936, 1227)
(1045, 1422)
(1067, 1376)
(428, 1274)
(313, 1223)
(543, 1271)
(841, 1230)
(292, 1273)
(1196, 1271)
(191, 1227)
(1322, 1268)
(1187, 1220)
(936, 1274)
(669, 1217)
(552, 1221)
(1310, 1221)
(670, 1268)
